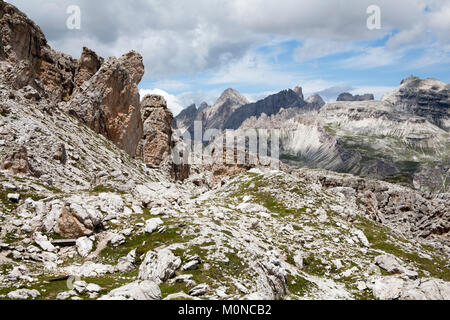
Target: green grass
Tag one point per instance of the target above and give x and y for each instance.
(299, 285)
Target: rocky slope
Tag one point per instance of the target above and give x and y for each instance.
(80, 218)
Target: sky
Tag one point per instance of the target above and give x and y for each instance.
(195, 49)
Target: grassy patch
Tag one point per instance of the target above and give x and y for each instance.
(299, 285)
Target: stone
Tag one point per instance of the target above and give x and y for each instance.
(138, 290)
(13, 197)
(159, 266)
(84, 246)
(116, 239)
(126, 264)
(89, 269)
(199, 290)
(153, 224)
(78, 219)
(392, 265)
(23, 294)
(43, 242)
(16, 162)
(191, 265)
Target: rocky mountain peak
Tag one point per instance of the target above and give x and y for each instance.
(429, 98)
(233, 96)
(315, 101)
(298, 90)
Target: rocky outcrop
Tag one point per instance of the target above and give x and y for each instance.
(349, 97)
(88, 65)
(155, 145)
(315, 102)
(428, 98)
(109, 102)
(31, 61)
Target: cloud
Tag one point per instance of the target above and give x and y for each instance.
(315, 48)
(372, 57)
(187, 38)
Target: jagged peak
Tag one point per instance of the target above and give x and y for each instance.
(231, 94)
(299, 91)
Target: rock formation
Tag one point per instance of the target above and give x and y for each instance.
(31, 61)
(109, 102)
(155, 145)
(349, 97)
(428, 98)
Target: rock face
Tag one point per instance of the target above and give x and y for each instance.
(32, 62)
(109, 102)
(349, 97)
(155, 144)
(88, 65)
(428, 98)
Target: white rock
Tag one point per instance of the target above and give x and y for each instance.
(362, 237)
(138, 290)
(152, 224)
(84, 246)
(116, 239)
(392, 265)
(23, 294)
(43, 242)
(91, 287)
(13, 197)
(199, 290)
(159, 266)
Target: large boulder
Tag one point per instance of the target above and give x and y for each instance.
(138, 290)
(78, 219)
(16, 162)
(109, 102)
(159, 266)
(155, 144)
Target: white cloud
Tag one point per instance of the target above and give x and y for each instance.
(316, 48)
(372, 58)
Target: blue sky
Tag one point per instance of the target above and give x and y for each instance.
(193, 50)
